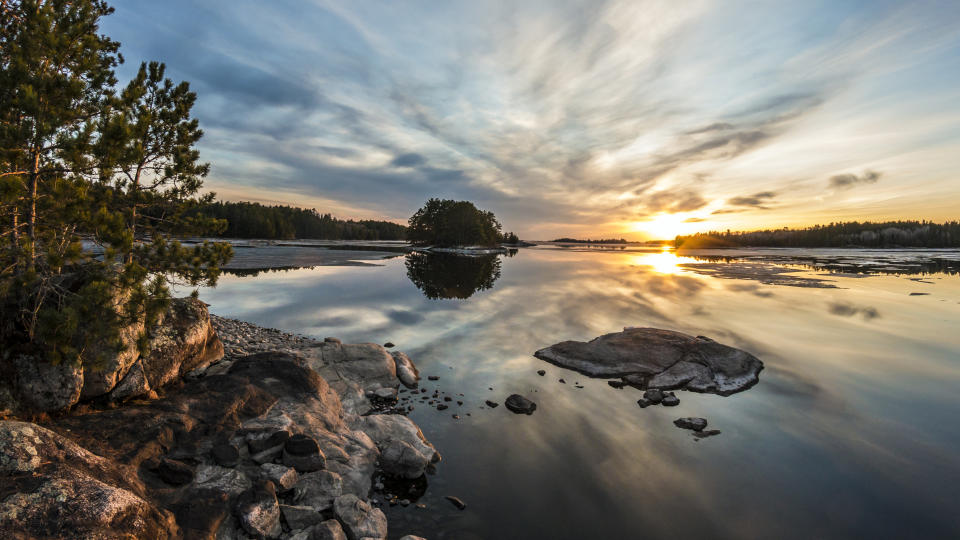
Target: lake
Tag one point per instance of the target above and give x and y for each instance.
(852, 430)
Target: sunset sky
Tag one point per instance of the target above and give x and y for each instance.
(622, 118)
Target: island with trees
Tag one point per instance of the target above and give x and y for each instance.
(449, 224)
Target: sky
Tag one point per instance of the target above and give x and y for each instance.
(627, 118)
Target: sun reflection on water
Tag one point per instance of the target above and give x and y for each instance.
(665, 261)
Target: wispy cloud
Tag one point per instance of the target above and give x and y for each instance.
(848, 180)
(561, 116)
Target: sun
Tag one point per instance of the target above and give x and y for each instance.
(663, 226)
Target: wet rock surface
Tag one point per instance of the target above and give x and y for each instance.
(248, 446)
(651, 358)
(520, 405)
(691, 423)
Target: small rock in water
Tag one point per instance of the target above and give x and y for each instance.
(388, 344)
(456, 417)
(696, 424)
(447, 398)
(433, 378)
(670, 400)
(520, 405)
(653, 395)
(541, 372)
(563, 381)
(456, 502)
(617, 384)
(706, 433)
(644, 403)
(441, 407)
(492, 404)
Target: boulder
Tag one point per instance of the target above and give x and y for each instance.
(225, 455)
(108, 367)
(328, 530)
(53, 488)
(406, 371)
(221, 480)
(653, 395)
(661, 359)
(520, 405)
(401, 460)
(185, 340)
(42, 386)
(282, 476)
(385, 394)
(300, 517)
(359, 519)
(259, 512)
(384, 428)
(259, 442)
(175, 473)
(302, 453)
(134, 384)
(318, 489)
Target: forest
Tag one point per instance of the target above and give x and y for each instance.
(254, 220)
(888, 234)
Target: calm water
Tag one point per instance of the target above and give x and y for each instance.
(853, 430)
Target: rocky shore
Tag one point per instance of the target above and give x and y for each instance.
(277, 436)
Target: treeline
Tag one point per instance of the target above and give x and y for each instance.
(254, 220)
(589, 241)
(889, 234)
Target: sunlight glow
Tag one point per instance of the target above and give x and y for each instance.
(665, 261)
(666, 226)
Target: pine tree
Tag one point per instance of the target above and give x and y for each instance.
(78, 258)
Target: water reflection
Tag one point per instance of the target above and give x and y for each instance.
(665, 261)
(858, 398)
(446, 275)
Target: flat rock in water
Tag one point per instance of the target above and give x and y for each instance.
(661, 359)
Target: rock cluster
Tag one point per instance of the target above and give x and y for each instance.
(183, 341)
(266, 445)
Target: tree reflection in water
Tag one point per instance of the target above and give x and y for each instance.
(447, 275)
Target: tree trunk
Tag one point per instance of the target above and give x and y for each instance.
(133, 211)
(32, 215)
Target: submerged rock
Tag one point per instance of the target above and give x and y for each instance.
(660, 359)
(456, 502)
(520, 405)
(695, 424)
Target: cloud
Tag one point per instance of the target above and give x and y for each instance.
(757, 200)
(408, 160)
(846, 181)
(674, 201)
(610, 108)
(694, 220)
